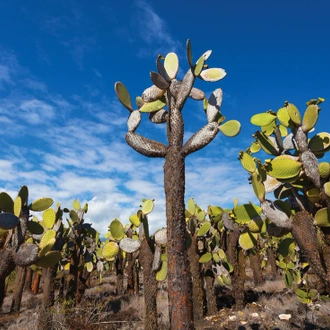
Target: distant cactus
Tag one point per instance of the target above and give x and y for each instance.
(169, 92)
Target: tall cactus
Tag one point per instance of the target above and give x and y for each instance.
(169, 92)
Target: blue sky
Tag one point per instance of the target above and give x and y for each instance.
(62, 128)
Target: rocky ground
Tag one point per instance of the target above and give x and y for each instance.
(270, 306)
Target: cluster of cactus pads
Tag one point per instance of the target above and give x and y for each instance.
(300, 183)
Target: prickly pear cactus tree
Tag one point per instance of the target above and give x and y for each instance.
(164, 102)
(299, 182)
(14, 223)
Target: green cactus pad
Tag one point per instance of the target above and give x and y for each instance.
(171, 64)
(162, 273)
(89, 266)
(269, 129)
(191, 206)
(147, 206)
(35, 228)
(139, 102)
(17, 206)
(311, 116)
(283, 206)
(24, 194)
(123, 96)
(230, 128)
(110, 250)
(284, 167)
(247, 240)
(220, 280)
(6, 203)
(199, 66)
(135, 220)
(288, 278)
(313, 195)
(161, 236)
(47, 242)
(205, 258)
(74, 216)
(255, 147)
(153, 106)
(3, 232)
(255, 225)
(203, 230)
(263, 119)
(322, 218)
(76, 205)
(324, 169)
(117, 229)
(201, 216)
(294, 113)
(8, 220)
(286, 247)
(327, 188)
(41, 204)
(258, 186)
(320, 142)
(246, 212)
(49, 217)
(283, 130)
(284, 117)
(267, 144)
(49, 259)
(213, 74)
(216, 257)
(129, 245)
(247, 162)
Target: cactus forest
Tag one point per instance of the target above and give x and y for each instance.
(200, 262)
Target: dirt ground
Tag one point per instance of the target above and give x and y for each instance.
(102, 309)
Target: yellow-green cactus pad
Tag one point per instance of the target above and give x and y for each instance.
(147, 206)
(205, 258)
(76, 205)
(246, 212)
(110, 250)
(74, 216)
(294, 114)
(41, 204)
(49, 259)
(153, 106)
(171, 64)
(213, 74)
(89, 266)
(47, 242)
(203, 230)
(8, 220)
(161, 236)
(311, 116)
(220, 281)
(191, 206)
(49, 217)
(230, 128)
(255, 147)
(263, 119)
(117, 229)
(135, 220)
(255, 225)
(247, 162)
(129, 245)
(123, 95)
(216, 257)
(283, 130)
(199, 66)
(162, 273)
(269, 129)
(322, 218)
(313, 195)
(17, 206)
(222, 254)
(267, 144)
(324, 169)
(6, 203)
(327, 188)
(258, 186)
(3, 232)
(286, 247)
(320, 142)
(284, 167)
(284, 117)
(247, 240)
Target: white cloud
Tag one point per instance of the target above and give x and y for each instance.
(36, 111)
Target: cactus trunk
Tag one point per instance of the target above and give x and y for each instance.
(7, 265)
(211, 299)
(179, 279)
(18, 290)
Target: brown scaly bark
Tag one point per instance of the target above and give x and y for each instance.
(83, 277)
(236, 257)
(36, 283)
(149, 284)
(28, 279)
(272, 262)
(305, 235)
(119, 274)
(197, 280)
(7, 265)
(256, 269)
(18, 290)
